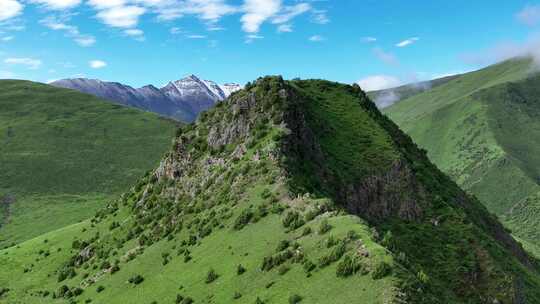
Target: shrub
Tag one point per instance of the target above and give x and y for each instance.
(381, 270)
(243, 219)
(136, 280)
(100, 288)
(294, 299)
(293, 220)
(77, 291)
(115, 268)
(324, 227)
(187, 300)
(237, 295)
(306, 231)
(240, 269)
(211, 276)
(308, 265)
(283, 269)
(349, 265)
(336, 254)
(283, 244)
(105, 265)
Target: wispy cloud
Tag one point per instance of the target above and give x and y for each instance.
(196, 36)
(9, 9)
(7, 38)
(97, 64)
(137, 34)
(175, 30)
(121, 16)
(71, 31)
(57, 4)
(320, 17)
(386, 58)
(529, 15)
(368, 39)
(284, 28)
(252, 37)
(289, 12)
(506, 50)
(30, 63)
(379, 82)
(257, 12)
(317, 38)
(407, 42)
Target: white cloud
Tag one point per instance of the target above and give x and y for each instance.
(289, 12)
(175, 30)
(320, 17)
(506, 50)
(407, 42)
(196, 36)
(316, 38)
(252, 37)
(6, 75)
(71, 31)
(379, 82)
(121, 16)
(28, 62)
(285, 28)
(529, 15)
(104, 4)
(58, 4)
(210, 10)
(85, 41)
(7, 38)
(257, 12)
(385, 57)
(134, 32)
(9, 9)
(97, 64)
(369, 39)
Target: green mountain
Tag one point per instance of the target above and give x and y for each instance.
(297, 191)
(63, 154)
(482, 129)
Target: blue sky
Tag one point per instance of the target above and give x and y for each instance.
(379, 43)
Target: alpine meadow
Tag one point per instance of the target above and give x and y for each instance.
(371, 152)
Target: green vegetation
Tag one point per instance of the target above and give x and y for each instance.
(63, 154)
(482, 129)
(260, 217)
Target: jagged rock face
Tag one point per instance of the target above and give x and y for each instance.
(182, 99)
(396, 192)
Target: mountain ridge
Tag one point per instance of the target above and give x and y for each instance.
(182, 99)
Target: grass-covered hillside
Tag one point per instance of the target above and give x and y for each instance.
(482, 128)
(287, 192)
(63, 154)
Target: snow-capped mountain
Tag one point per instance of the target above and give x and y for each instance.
(182, 99)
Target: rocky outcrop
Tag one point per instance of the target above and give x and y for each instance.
(394, 193)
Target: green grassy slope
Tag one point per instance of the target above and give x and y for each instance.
(483, 130)
(246, 208)
(63, 154)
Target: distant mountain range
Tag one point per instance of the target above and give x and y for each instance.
(182, 100)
